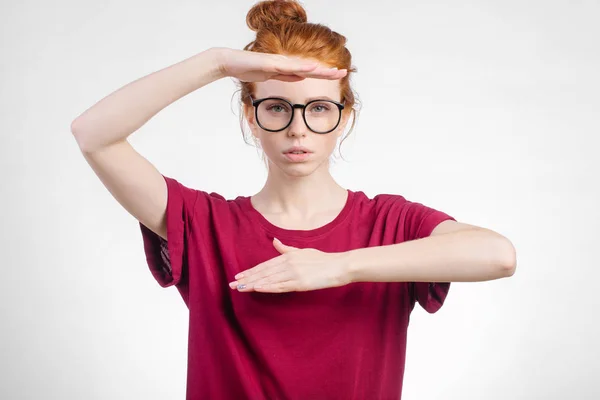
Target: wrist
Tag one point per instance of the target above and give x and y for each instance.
(207, 66)
(347, 267)
(219, 61)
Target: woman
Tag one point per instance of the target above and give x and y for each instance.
(303, 290)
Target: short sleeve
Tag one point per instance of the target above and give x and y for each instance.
(420, 221)
(167, 258)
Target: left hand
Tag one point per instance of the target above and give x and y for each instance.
(294, 270)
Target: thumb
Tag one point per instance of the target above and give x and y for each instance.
(282, 248)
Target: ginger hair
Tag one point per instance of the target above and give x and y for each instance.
(282, 27)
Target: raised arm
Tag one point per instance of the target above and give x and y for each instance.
(103, 129)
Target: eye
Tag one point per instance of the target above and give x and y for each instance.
(320, 107)
(277, 107)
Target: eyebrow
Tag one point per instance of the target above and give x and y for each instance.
(308, 99)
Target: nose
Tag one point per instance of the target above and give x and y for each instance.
(297, 127)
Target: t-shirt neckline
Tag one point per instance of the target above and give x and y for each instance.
(280, 232)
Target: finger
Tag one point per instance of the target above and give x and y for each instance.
(299, 64)
(266, 274)
(299, 76)
(260, 267)
(272, 274)
(247, 286)
(288, 78)
(292, 66)
(282, 248)
(288, 65)
(325, 74)
(321, 70)
(247, 281)
(269, 280)
(278, 287)
(329, 74)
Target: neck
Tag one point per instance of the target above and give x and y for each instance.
(300, 196)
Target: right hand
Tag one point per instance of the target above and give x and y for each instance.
(249, 66)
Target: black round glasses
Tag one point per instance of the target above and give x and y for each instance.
(274, 114)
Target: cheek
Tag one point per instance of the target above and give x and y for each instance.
(268, 143)
(330, 141)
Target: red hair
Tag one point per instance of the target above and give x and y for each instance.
(281, 28)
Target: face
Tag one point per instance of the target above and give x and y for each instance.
(277, 145)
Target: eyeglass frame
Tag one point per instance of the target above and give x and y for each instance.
(256, 103)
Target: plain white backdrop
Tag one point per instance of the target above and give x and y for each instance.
(486, 110)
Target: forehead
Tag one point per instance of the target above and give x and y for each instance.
(299, 91)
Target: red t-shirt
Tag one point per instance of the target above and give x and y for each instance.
(347, 342)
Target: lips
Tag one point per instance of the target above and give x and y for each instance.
(297, 150)
(297, 154)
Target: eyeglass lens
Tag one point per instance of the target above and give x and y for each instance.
(321, 116)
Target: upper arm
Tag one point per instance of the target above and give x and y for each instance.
(449, 226)
(134, 182)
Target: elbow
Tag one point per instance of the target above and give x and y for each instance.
(82, 136)
(76, 131)
(76, 127)
(508, 260)
(501, 255)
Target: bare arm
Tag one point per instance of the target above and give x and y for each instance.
(454, 252)
(102, 131)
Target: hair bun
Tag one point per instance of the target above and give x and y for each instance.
(274, 12)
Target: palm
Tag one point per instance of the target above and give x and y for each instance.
(250, 66)
(253, 75)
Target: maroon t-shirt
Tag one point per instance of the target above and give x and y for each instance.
(347, 342)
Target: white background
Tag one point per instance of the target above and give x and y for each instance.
(487, 110)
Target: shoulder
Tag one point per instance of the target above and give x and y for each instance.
(187, 189)
(380, 202)
(198, 201)
(414, 218)
(384, 202)
(380, 206)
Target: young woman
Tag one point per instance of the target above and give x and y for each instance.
(303, 290)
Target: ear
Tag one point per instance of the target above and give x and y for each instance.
(249, 114)
(342, 128)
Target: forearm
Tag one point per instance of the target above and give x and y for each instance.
(124, 111)
(462, 256)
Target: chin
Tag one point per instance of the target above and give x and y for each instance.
(297, 169)
(299, 172)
